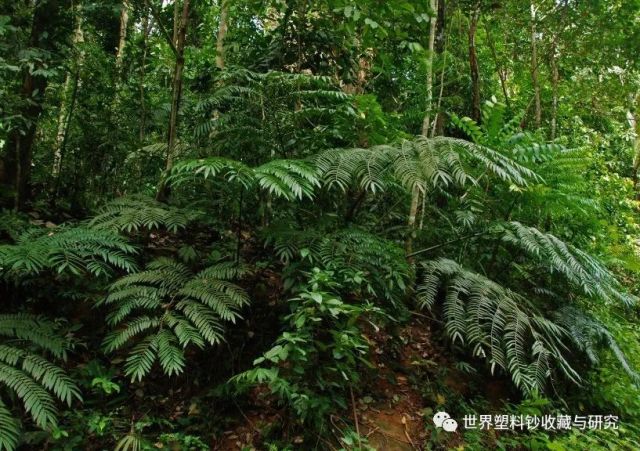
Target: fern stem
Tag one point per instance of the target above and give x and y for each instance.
(455, 240)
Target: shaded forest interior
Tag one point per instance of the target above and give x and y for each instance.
(323, 225)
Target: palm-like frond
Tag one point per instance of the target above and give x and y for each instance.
(75, 250)
(581, 269)
(33, 379)
(421, 163)
(132, 213)
(288, 179)
(496, 323)
(589, 335)
(158, 312)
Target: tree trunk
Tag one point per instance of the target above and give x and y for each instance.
(554, 87)
(502, 72)
(441, 49)
(433, 9)
(180, 31)
(634, 124)
(19, 144)
(222, 32)
(534, 68)
(69, 95)
(411, 224)
(473, 64)
(143, 72)
(122, 41)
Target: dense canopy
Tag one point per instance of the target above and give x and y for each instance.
(294, 224)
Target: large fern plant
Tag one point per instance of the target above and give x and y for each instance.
(157, 313)
(272, 114)
(27, 374)
(72, 250)
(379, 263)
(496, 323)
(489, 315)
(508, 328)
(420, 163)
(134, 213)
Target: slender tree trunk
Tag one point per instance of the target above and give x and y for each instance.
(426, 124)
(433, 7)
(411, 224)
(222, 32)
(502, 73)
(146, 24)
(634, 123)
(63, 138)
(180, 31)
(19, 144)
(441, 49)
(69, 94)
(554, 87)
(122, 41)
(534, 68)
(473, 64)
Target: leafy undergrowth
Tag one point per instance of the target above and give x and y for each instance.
(393, 406)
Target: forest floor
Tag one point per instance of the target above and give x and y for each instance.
(392, 410)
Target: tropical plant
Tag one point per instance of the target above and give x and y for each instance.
(74, 250)
(132, 213)
(158, 312)
(317, 357)
(28, 376)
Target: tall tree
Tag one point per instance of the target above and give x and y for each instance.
(555, 77)
(441, 50)
(122, 35)
(69, 96)
(222, 33)
(179, 37)
(47, 31)
(634, 124)
(473, 63)
(433, 13)
(534, 66)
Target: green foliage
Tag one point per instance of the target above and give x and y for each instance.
(293, 147)
(13, 224)
(421, 163)
(377, 264)
(132, 213)
(496, 323)
(319, 355)
(73, 250)
(288, 179)
(583, 271)
(29, 376)
(589, 335)
(272, 114)
(160, 311)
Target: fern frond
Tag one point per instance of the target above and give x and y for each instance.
(588, 335)
(10, 429)
(421, 163)
(496, 324)
(75, 250)
(288, 179)
(169, 308)
(33, 379)
(132, 213)
(582, 270)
